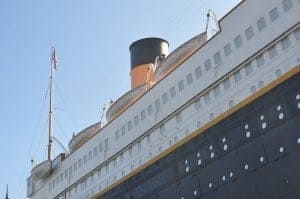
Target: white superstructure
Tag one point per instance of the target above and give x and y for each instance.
(258, 42)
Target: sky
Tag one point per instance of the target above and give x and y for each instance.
(91, 40)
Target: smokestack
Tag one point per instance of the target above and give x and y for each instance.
(143, 53)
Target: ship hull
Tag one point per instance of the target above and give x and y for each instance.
(252, 153)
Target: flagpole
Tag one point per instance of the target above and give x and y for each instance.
(50, 103)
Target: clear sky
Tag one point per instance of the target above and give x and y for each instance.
(91, 39)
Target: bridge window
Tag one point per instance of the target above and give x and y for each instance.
(287, 5)
(238, 41)
(207, 65)
(227, 50)
(260, 60)
(274, 14)
(285, 43)
(172, 92)
(180, 85)
(261, 23)
(272, 52)
(249, 33)
(198, 72)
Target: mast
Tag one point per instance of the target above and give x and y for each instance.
(6, 197)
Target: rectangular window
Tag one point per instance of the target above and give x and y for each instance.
(117, 135)
(217, 58)
(79, 162)
(95, 151)
(180, 85)
(272, 52)
(123, 130)
(285, 43)
(143, 114)
(197, 104)
(90, 155)
(84, 159)
(148, 138)
(227, 50)
(162, 129)
(189, 79)
(238, 41)
(249, 33)
(70, 171)
(198, 72)
(226, 84)
(165, 98)
(139, 146)
(206, 98)
(261, 24)
(100, 147)
(150, 109)
(75, 166)
(217, 91)
(136, 120)
(157, 104)
(287, 5)
(237, 76)
(260, 60)
(297, 34)
(130, 151)
(129, 125)
(178, 118)
(274, 14)
(207, 65)
(66, 173)
(106, 144)
(172, 92)
(248, 69)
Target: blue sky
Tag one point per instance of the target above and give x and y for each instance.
(91, 39)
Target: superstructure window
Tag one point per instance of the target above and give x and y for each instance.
(79, 162)
(217, 91)
(143, 114)
(95, 151)
(189, 79)
(90, 155)
(100, 147)
(117, 135)
(150, 109)
(260, 60)
(285, 43)
(165, 98)
(226, 84)
(123, 130)
(198, 72)
(136, 120)
(162, 129)
(178, 118)
(106, 144)
(180, 85)
(217, 58)
(139, 146)
(238, 41)
(274, 14)
(227, 49)
(148, 138)
(272, 52)
(84, 159)
(297, 34)
(172, 92)
(157, 104)
(249, 33)
(129, 125)
(261, 24)
(237, 76)
(206, 98)
(197, 104)
(207, 65)
(248, 69)
(287, 5)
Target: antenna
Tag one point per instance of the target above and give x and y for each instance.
(6, 197)
(211, 14)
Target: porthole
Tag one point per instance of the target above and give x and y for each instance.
(278, 73)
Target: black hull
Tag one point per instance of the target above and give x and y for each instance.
(264, 159)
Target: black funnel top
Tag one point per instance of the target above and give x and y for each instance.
(144, 51)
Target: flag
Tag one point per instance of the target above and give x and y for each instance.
(53, 59)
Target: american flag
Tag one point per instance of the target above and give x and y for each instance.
(53, 59)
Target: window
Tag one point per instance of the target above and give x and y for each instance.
(272, 52)
(260, 60)
(217, 58)
(165, 98)
(198, 72)
(260, 84)
(274, 14)
(70, 171)
(95, 151)
(136, 120)
(130, 151)
(207, 65)
(197, 104)
(227, 50)
(285, 43)
(117, 135)
(172, 92)
(143, 114)
(123, 130)
(180, 85)
(162, 129)
(253, 89)
(237, 76)
(100, 147)
(84, 159)
(178, 118)
(231, 103)
(106, 144)
(248, 69)
(129, 125)
(249, 33)
(238, 41)
(189, 79)
(79, 162)
(148, 138)
(157, 104)
(217, 91)
(150, 109)
(287, 5)
(297, 34)
(261, 24)
(226, 84)
(66, 173)
(90, 155)
(277, 72)
(139, 145)
(206, 98)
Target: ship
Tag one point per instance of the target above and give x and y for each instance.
(218, 117)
